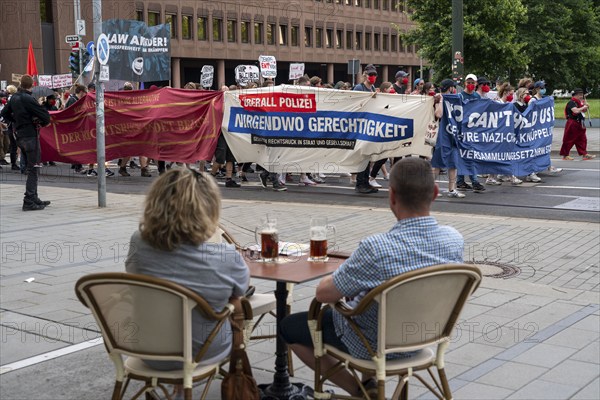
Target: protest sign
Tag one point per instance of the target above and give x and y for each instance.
(303, 129)
(163, 124)
(138, 53)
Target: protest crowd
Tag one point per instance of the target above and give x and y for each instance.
(223, 163)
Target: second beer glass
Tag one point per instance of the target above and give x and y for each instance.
(320, 232)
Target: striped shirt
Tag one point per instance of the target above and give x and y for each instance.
(411, 244)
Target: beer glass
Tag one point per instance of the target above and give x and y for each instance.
(320, 232)
(269, 239)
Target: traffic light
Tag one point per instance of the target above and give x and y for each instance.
(74, 61)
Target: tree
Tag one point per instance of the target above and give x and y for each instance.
(490, 41)
(563, 42)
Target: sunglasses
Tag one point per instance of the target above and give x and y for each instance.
(372, 74)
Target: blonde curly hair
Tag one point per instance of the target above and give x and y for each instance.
(182, 207)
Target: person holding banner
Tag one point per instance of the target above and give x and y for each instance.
(467, 95)
(505, 95)
(367, 85)
(401, 84)
(440, 160)
(575, 131)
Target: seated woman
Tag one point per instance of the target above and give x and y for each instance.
(181, 213)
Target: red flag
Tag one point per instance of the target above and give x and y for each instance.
(31, 65)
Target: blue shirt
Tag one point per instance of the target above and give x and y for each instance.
(411, 244)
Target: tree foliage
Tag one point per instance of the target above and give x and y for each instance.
(490, 40)
(558, 41)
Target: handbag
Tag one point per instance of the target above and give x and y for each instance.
(433, 128)
(239, 384)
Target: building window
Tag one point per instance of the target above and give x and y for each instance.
(283, 35)
(349, 39)
(45, 11)
(231, 31)
(376, 4)
(367, 41)
(245, 32)
(401, 45)
(385, 4)
(386, 40)
(338, 39)
(186, 27)
(376, 37)
(295, 35)
(357, 3)
(258, 32)
(217, 30)
(139, 15)
(307, 36)
(367, 3)
(329, 38)
(171, 20)
(202, 28)
(319, 37)
(271, 34)
(153, 18)
(358, 41)
(394, 43)
(348, 2)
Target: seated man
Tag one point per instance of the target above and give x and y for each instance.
(414, 242)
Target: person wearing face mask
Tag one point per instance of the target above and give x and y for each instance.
(467, 95)
(483, 87)
(539, 90)
(505, 95)
(401, 84)
(538, 93)
(367, 85)
(440, 160)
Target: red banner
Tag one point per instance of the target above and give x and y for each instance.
(163, 124)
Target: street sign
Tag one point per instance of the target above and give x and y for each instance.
(103, 49)
(104, 74)
(90, 48)
(80, 27)
(72, 39)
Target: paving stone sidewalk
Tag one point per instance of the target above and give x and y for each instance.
(532, 335)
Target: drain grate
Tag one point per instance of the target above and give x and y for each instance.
(492, 269)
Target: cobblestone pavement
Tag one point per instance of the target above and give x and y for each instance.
(533, 334)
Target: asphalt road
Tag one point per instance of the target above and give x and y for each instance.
(573, 195)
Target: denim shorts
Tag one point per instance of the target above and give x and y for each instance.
(294, 330)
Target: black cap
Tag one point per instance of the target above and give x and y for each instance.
(577, 90)
(483, 80)
(447, 84)
(370, 69)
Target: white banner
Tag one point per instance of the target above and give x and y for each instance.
(296, 71)
(61, 81)
(45, 80)
(305, 129)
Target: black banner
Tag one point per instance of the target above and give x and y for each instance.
(138, 53)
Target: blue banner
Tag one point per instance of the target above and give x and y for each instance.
(328, 124)
(488, 137)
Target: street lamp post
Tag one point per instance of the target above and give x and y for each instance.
(457, 41)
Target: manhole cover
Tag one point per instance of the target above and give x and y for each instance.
(493, 269)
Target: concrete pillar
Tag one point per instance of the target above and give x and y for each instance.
(176, 72)
(384, 73)
(330, 75)
(221, 79)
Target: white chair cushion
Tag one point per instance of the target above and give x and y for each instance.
(422, 357)
(262, 303)
(136, 366)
